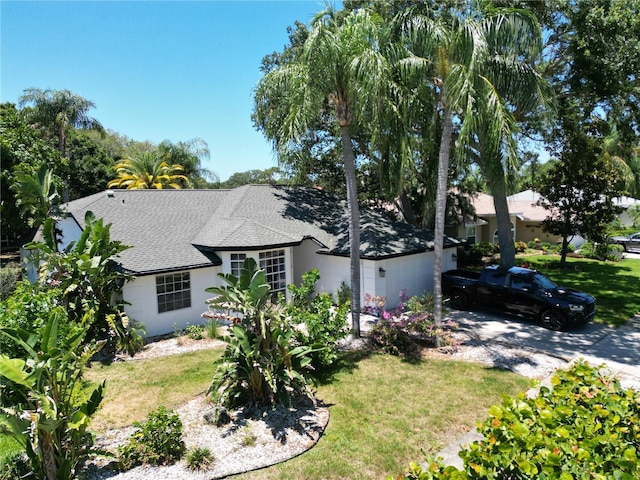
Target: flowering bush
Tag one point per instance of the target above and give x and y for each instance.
(402, 330)
(374, 305)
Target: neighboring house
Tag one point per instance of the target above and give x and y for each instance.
(625, 203)
(526, 219)
(181, 240)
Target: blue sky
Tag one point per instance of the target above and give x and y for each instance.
(156, 70)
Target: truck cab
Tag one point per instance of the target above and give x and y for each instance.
(520, 291)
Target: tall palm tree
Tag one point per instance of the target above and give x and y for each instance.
(626, 159)
(146, 171)
(341, 73)
(57, 111)
(190, 154)
(469, 60)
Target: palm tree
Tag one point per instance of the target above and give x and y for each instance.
(469, 62)
(625, 159)
(190, 154)
(57, 111)
(148, 170)
(341, 73)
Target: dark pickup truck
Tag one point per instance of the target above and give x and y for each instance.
(519, 291)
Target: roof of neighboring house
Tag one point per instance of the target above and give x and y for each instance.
(182, 229)
(523, 205)
(626, 202)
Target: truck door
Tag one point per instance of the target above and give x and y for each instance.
(492, 288)
(522, 298)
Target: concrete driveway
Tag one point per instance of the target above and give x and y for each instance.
(618, 348)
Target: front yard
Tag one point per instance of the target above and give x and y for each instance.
(385, 412)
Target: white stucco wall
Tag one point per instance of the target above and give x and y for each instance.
(141, 293)
(412, 272)
(71, 231)
(333, 270)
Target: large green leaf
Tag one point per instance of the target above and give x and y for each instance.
(14, 369)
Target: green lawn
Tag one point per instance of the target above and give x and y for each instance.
(616, 285)
(385, 412)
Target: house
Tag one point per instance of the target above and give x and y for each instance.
(526, 219)
(182, 239)
(626, 203)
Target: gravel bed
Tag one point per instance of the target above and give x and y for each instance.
(253, 439)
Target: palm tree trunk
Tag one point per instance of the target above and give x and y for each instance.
(505, 238)
(438, 236)
(354, 227)
(406, 208)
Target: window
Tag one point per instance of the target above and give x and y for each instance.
(273, 265)
(513, 234)
(471, 235)
(174, 291)
(237, 261)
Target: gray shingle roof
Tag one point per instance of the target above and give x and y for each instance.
(180, 229)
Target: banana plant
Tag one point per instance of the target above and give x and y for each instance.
(261, 364)
(51, 404)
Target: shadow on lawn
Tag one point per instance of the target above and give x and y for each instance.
(347, 362)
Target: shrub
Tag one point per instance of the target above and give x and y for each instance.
(392, 337)
(587, 426)
(401, 333)
(129, 333)
(157, 441)
(199, 458)
(483, 249)
(602, 251)
(554, 248)
(194, 332)
(213, 328)
(9, 278)
(521, 247)
(16, 467)
(29, 308)
(344, 295)
(317, 322)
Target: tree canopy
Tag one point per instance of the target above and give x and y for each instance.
(148, 170)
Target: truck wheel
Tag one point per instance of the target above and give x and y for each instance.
(553, 319)
(459, 300)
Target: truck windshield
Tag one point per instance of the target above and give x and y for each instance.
(543, 282)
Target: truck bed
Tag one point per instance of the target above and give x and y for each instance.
(463, 274)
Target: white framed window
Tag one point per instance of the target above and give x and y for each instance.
(173, 291)
(513, 234)
(471, 235)
(273, 264)
(237, 261)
